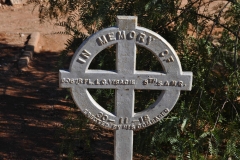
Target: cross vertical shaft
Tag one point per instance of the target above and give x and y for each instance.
(123, 139)
(124, 99)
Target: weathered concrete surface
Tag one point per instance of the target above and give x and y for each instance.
(33, 42)
(30, 48)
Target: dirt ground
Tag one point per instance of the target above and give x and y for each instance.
(32, 107)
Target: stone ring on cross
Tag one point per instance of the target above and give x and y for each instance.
(127, 35)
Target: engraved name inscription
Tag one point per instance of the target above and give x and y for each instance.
(99, 81)
(148, 81)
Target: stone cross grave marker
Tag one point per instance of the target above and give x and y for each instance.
(126, 35)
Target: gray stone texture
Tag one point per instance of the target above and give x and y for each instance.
(28, 54)
(30, 48)
(23, 62)
(33, 41)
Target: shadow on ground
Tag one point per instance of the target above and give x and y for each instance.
(33, 109)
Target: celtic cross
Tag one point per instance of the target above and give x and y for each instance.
(127, 35)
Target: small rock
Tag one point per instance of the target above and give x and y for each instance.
(21, 34)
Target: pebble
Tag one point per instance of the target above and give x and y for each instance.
(21, 34)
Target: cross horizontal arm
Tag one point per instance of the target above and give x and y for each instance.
(139, 80)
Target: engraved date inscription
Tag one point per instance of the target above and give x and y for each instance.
(124, 123)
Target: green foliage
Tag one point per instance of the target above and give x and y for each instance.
(204, 124)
